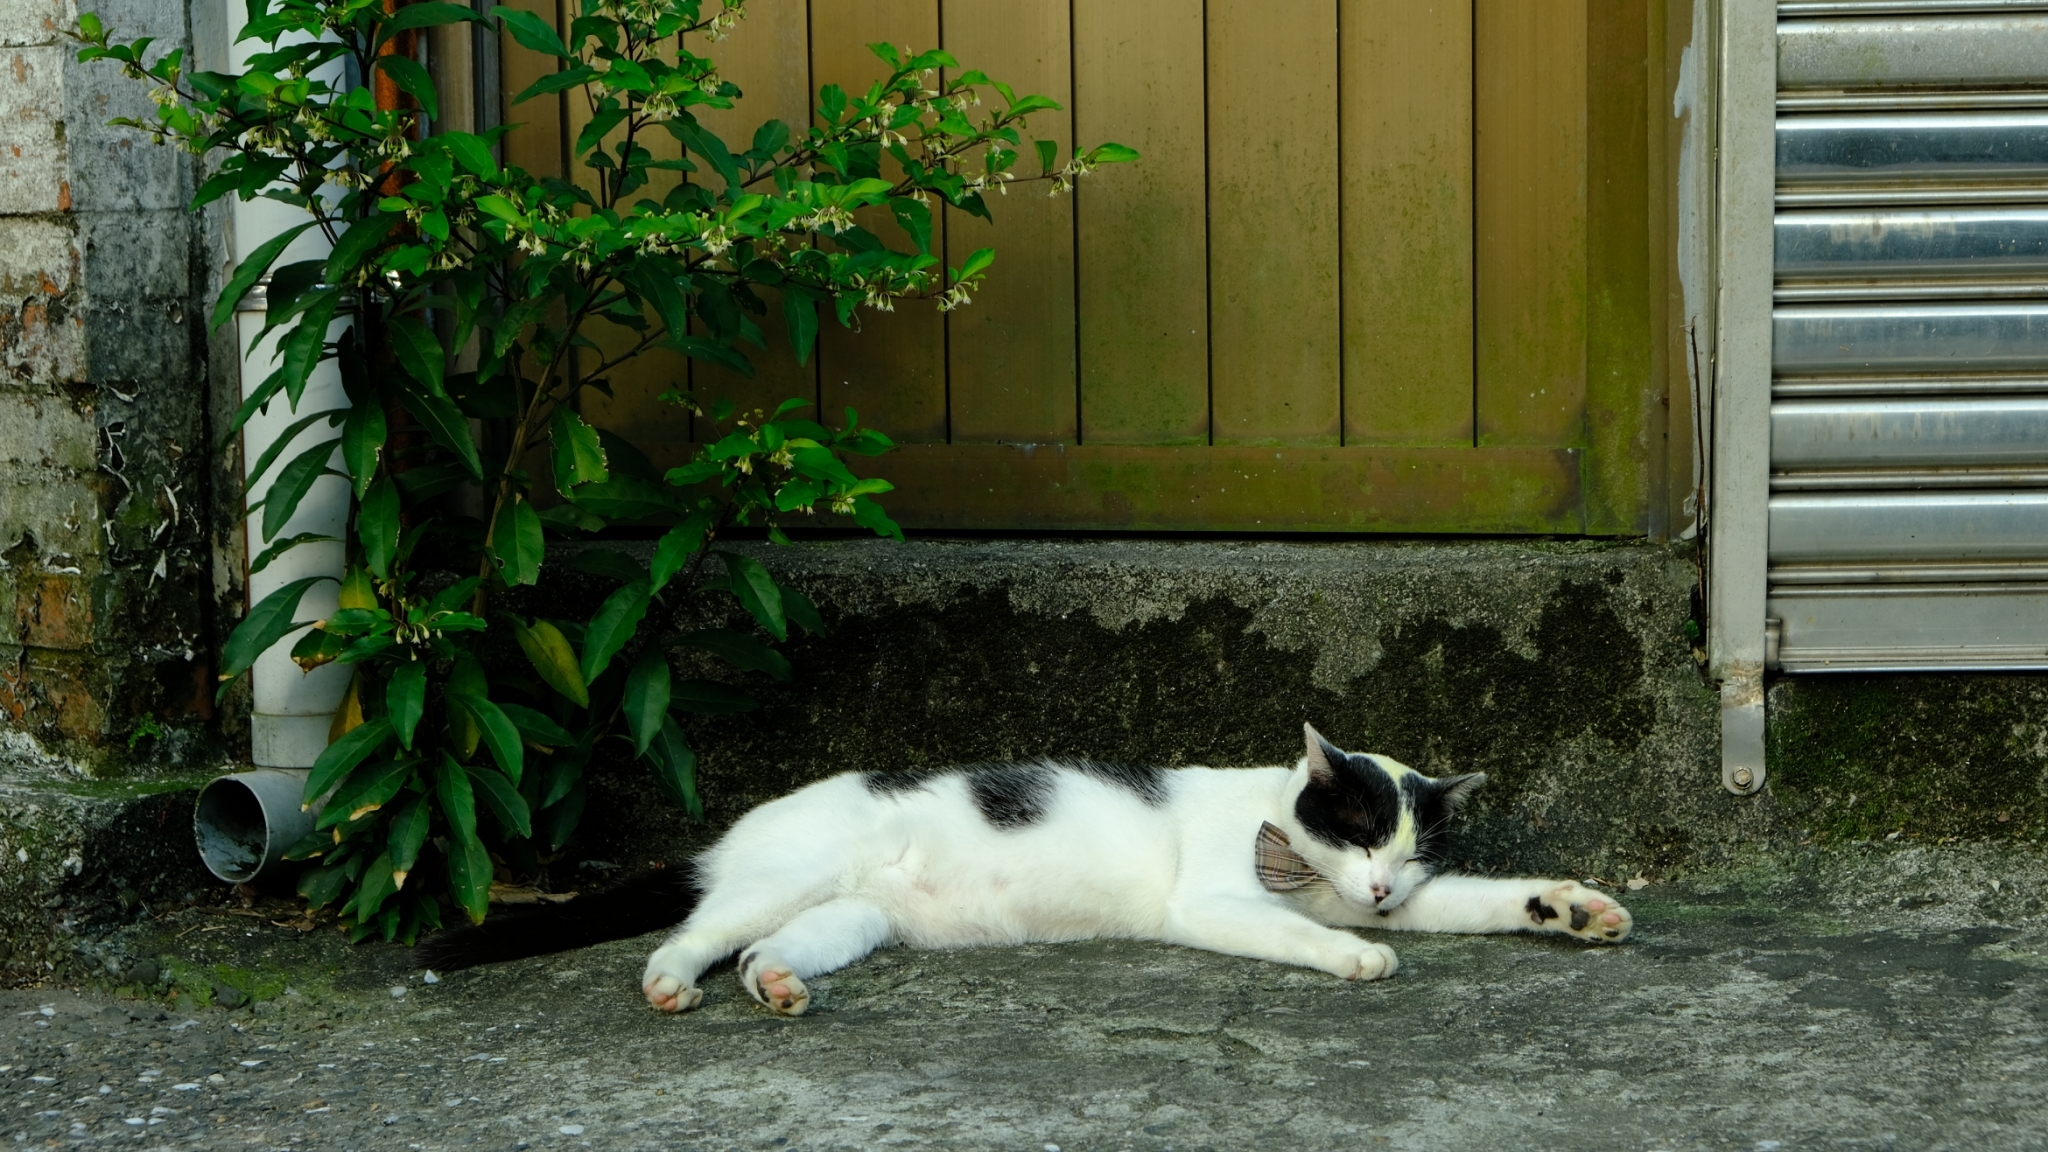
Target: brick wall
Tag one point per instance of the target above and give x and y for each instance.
(108, 579)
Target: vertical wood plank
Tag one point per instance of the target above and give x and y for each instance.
(1529, 113)
(536, 144)
(1407, 194)
(893, 369)
(1620, 392)
(768, 56)
(1142, 229)
(1273, 247)
(1010, 354)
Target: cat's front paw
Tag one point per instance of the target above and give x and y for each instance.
(1372, 962)
(1576, 910)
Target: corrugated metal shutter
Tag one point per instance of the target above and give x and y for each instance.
(1909, 416)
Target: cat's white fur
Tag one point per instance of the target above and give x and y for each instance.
(814, 881)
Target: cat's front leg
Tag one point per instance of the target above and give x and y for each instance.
(1487, 904)
(1266, 931)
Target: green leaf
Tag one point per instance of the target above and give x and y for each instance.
(802, 612)
(377, 526)
(647, 696)
(412, 80)
(915, 219)
(307, 344)
(249, 271)
(1048, 155)
(616, 621)
(537, 727)
(281, 547)
(978, 262)
(373, 889)
(293, 482)
(467, 679)
(559, 822)
(504, 801)
(366, 790)
(1112, 154)
(284, 440)
(740, 650)
(341, 757)
(408, 834)
(549, 82)
(800, 317)
(405, 700)
(710, 698)
(531, 31)
(516, 542)
(471, 152)
(362, 443)
(419, 351)
(321, 885)
(624, 497)
(757, 592)
(677, 546)
(361, 238)
(675, 767)
(445, 423)
(605, 562)
(579, 458)
(469, 865)
(549, 651)
(412, 16)
(499, 734)
(267, 623)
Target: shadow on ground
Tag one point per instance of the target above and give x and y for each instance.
(1734, 1019)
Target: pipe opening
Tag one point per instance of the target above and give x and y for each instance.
(234, 837)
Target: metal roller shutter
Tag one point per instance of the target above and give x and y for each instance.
(1909, 414)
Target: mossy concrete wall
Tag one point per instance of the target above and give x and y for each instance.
(1561, 670)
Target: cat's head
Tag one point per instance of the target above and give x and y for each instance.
(1377, 828)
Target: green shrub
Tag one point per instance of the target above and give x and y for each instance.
(439, 758)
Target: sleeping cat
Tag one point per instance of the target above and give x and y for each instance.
(1270, 863)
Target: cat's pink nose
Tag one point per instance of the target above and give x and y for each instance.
(1380, 892)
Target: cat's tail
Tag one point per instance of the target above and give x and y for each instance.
(649, 902)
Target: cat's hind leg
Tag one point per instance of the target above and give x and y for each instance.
(727, 919)
(817, 940)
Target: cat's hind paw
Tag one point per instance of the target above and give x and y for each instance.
(670, 994)
(1576, 910)
(774, 984)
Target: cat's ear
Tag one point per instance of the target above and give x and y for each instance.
(1455, 790)
(1323, 757)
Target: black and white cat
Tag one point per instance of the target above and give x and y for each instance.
(1262, 862)
(1270, 863)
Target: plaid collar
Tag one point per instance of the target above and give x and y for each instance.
(1280, 867)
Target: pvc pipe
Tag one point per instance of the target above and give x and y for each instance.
(292, 708)
(244, 821)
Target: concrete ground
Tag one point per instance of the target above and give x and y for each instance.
(1875, 997)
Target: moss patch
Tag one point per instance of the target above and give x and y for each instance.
(1928, 757)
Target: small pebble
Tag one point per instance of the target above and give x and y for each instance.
(397, 992)
(571, 1129)
(430, 978)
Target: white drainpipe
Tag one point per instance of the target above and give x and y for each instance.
(292, 708)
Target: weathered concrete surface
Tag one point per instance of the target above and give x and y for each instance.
(79, 857)
(1803, 1007)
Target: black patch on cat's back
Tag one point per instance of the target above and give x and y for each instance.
(1011, 796)
(1146, 782)
(894, 783)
